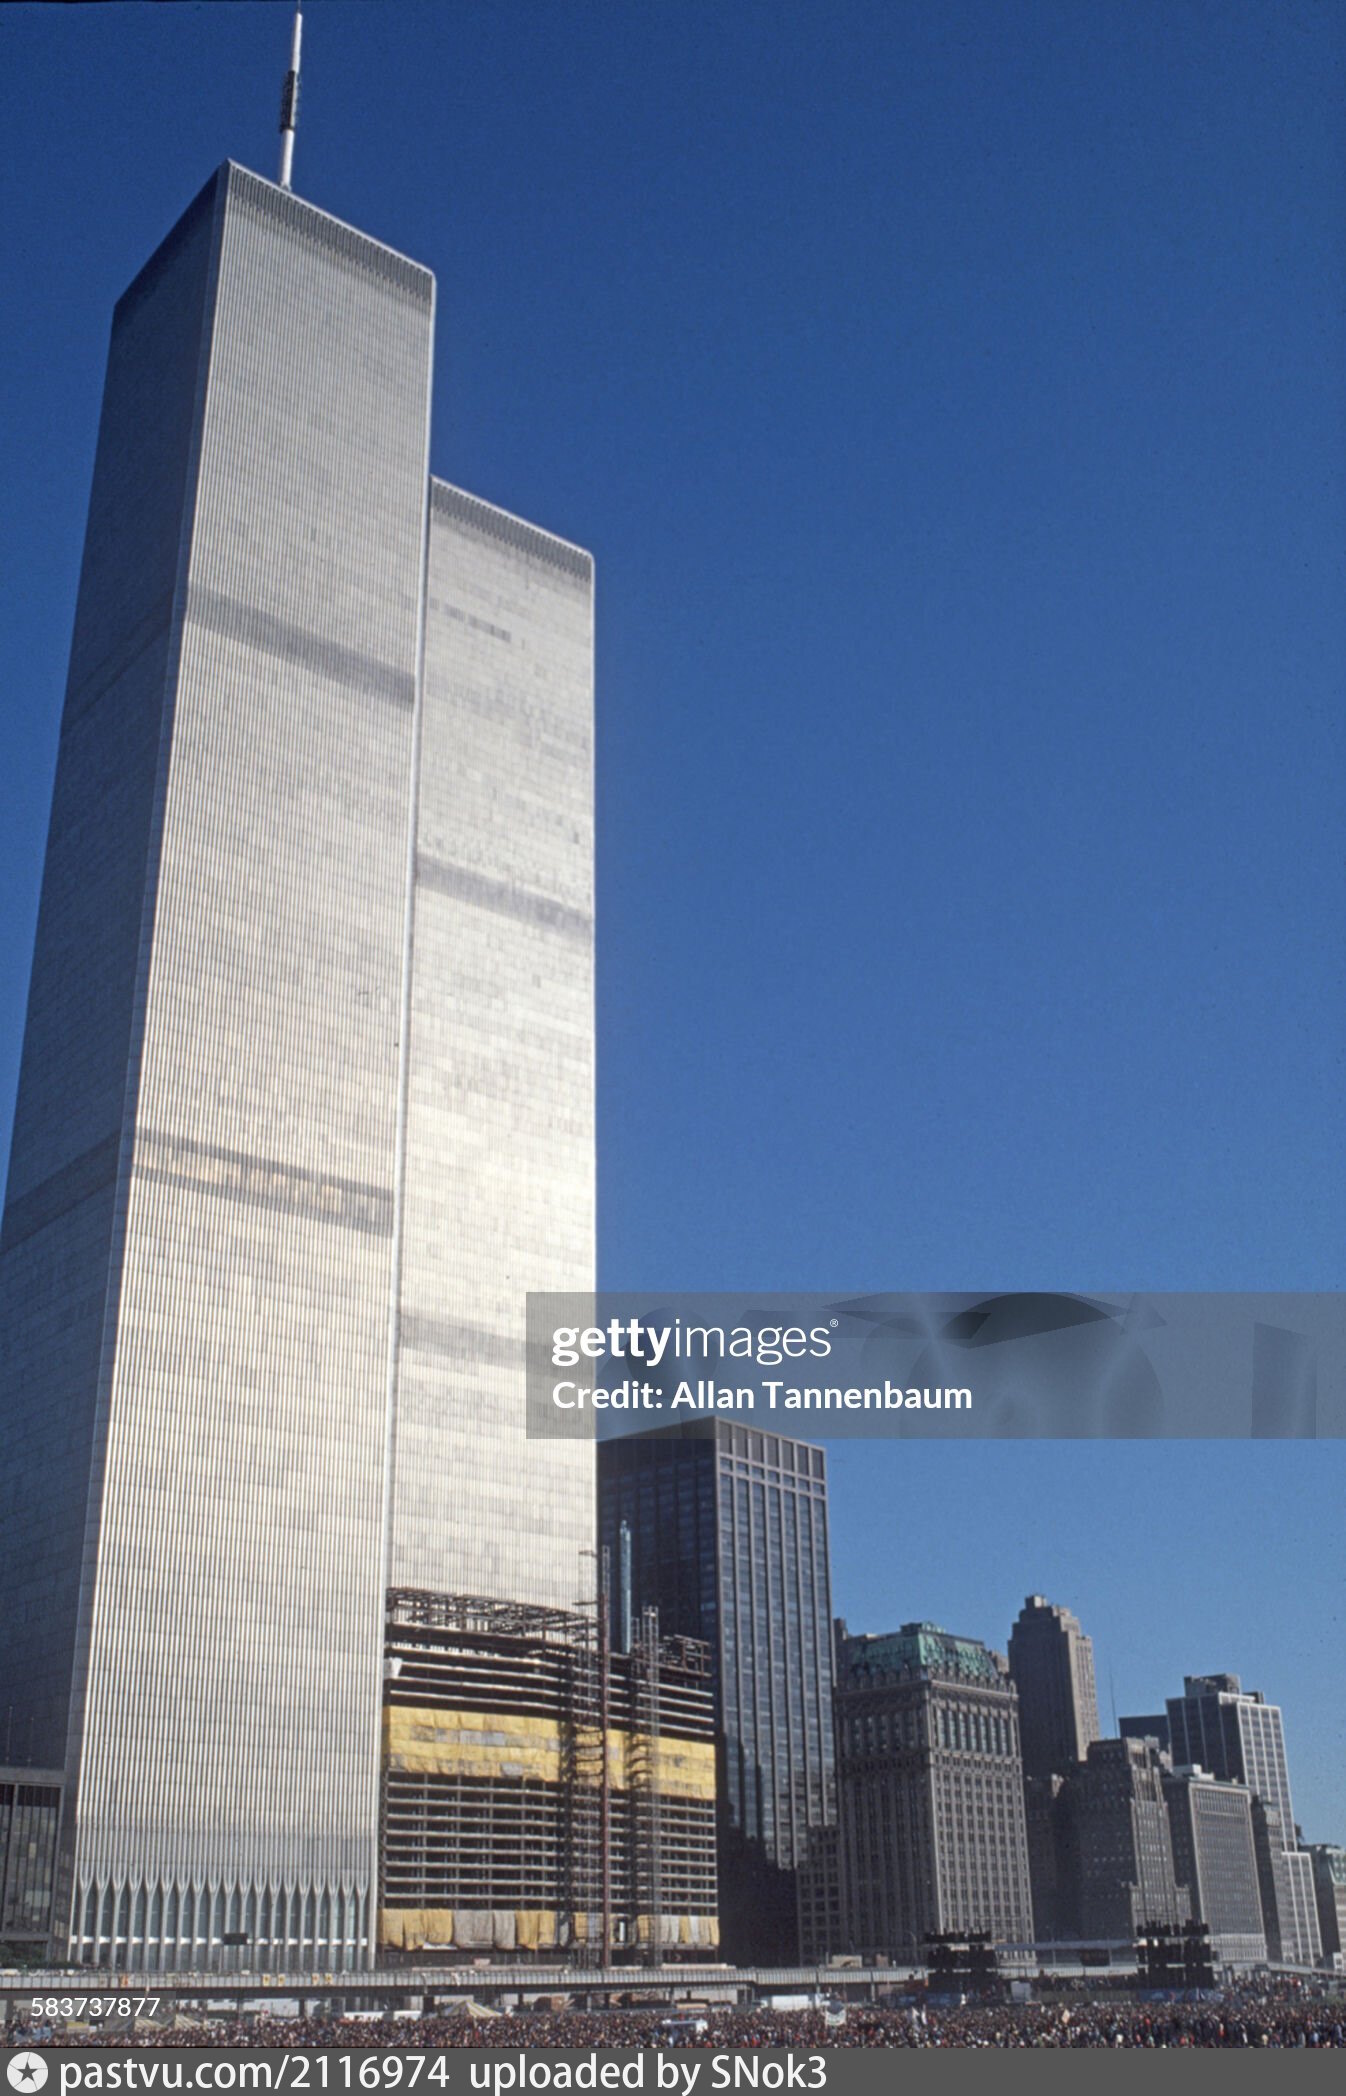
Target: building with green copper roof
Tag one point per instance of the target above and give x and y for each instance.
(930, 1791)
(923, 1648)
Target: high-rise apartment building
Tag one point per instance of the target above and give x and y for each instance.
(930, 1792)
(1052, 1663)
(1234, 1732)
(306, 1098)
(727, 1532)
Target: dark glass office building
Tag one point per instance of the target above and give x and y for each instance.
(728, 1540)
(30, 1811)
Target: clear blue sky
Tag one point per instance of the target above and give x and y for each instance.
(952, 397)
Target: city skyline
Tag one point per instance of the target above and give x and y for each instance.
(1142, 1639)
(1276, 1202)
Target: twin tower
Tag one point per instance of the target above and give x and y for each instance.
(306, 1099)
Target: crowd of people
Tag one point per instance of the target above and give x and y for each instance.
(1277, 2017)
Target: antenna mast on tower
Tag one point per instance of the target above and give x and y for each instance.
(289, 104)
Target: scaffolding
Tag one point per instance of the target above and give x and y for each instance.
(583, 1781)
(646, 1800)
(541, 1792)
(414, 1608)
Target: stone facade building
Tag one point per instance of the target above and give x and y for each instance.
(930, 1785)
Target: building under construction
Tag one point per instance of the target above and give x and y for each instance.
(542, 1794)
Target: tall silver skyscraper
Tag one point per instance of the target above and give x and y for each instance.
(306, 1100)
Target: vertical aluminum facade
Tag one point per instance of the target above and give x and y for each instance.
(500, 1097)
(293, 1110)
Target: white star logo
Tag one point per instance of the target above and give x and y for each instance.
(26, 2071)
